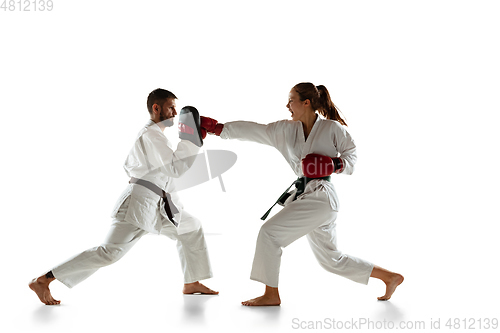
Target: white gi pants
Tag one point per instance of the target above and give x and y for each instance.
(313, 216)
(122, 237)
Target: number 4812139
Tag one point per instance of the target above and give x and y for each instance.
(27, 5)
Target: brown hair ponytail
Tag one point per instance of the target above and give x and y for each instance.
(320, 100)
(328, 109)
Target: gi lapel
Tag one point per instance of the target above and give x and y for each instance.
(307, 148)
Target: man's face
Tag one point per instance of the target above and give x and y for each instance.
(168, 112)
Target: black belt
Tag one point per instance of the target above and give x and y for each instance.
(300, 185)
(168, 204)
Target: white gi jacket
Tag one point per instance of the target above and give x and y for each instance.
(327, 137)
(153, 159)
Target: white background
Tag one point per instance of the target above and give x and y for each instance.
(418, 82)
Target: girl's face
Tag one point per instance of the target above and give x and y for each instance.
(297, 107)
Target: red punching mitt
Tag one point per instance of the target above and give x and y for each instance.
(317, 166)
(211, 125)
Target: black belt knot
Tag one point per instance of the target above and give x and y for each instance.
(167, 199)
(300, 185)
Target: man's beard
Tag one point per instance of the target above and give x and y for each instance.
(167, 122)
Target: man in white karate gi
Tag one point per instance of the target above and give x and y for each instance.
(149, 204)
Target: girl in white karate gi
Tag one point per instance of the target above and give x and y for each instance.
(311, 145)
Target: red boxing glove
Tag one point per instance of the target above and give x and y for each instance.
(317, 166)
(211, 125)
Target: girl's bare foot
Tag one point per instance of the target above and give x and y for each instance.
(392, 281)
(391, 285)
(271, 297)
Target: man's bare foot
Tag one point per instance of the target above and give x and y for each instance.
(391, 285)
(197, 288)
(271, 297)
(40, 286)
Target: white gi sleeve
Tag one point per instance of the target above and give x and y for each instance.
(164, 159)
(346, 147)
(250, 131)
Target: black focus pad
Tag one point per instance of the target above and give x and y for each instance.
(189, 125)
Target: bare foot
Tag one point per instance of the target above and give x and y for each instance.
(391, 285)
(197, 288)
(391, 280)
(40, 286)
(271, 297)
(263, 301)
